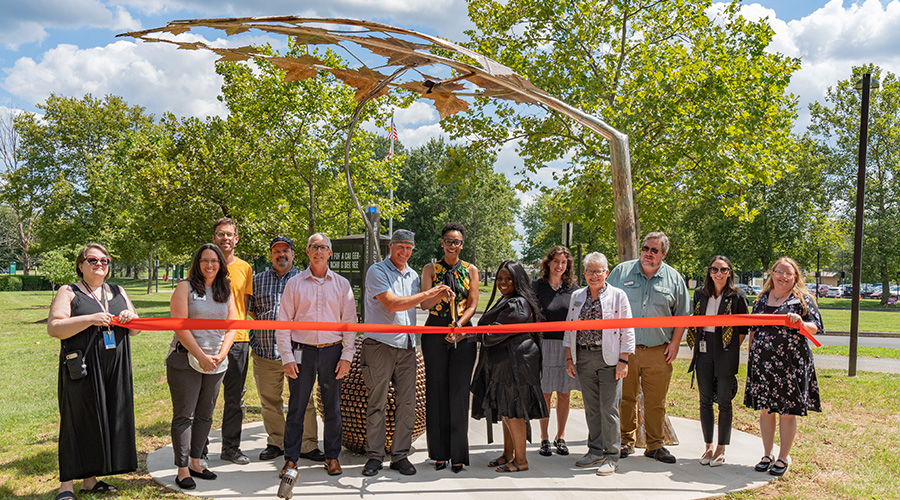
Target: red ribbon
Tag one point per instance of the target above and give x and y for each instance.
(158, 324)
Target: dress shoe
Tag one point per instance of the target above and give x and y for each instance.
(626, 450)
(186, 483)
(316, 455)
(287, 466)
(589, 459)
(440, 465)
(545, 449)
(373, 465)
(456, 468)
(764, 464)
(236, 456)
(561, 447)
(204, 474)
(661, 454)
(779, 467)
(271, 452)
(333, 466)
(404, 467)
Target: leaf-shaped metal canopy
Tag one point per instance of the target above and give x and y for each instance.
(409, 50)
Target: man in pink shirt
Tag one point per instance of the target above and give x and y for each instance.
(316, 294)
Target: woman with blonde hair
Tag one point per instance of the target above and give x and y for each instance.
(781, 376)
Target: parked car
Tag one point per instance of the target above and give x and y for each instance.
(745, 287)
(756, 289)
(895, 291)
(834, 292)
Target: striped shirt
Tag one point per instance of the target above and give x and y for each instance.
(265, 301)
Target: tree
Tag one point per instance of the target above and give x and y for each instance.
(442, 183)
(20, 195)
(58, 265)
(703, 102)
(835, 127)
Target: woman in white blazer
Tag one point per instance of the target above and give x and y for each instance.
(599, 358)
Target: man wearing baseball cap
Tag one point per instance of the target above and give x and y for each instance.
(391, 295)
(268, 287)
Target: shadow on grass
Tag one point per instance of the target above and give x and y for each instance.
(156, 429)
(41, 463)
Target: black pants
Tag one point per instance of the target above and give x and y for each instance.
(233, 394)
(714, 389)
(321, 362)
(448, 376)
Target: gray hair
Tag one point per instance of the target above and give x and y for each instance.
(595, 259)
(318, 236)
(659, 236)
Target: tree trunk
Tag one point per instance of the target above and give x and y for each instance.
(150, 270)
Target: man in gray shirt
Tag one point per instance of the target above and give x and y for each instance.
(654, 289)
(391, 297)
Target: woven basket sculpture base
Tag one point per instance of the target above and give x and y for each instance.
(354, 400)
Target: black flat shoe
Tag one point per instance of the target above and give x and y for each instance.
(440, 465)
(764, 463)
(456, 468)
(545, 449)
(561, 447)
(778, 470)
(186, 483)
(205, 474)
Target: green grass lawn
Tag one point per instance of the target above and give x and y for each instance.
(847, 451)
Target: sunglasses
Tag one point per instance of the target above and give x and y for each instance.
(654, 251)
(94, 261)
(716, 270)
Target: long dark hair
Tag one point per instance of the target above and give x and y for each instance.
(522, 284)
(568, 276)
(221, 284)
(709, 287)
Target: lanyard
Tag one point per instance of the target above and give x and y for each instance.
(104, 305)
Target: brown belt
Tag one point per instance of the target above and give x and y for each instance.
(316, 346)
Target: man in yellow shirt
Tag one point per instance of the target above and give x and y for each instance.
(225, 236)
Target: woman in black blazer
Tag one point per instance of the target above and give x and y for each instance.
(717, 354)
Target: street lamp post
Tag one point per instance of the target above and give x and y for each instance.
(864, 84)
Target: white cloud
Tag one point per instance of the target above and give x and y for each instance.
(153, 75)
(830, 41)
(27, 21)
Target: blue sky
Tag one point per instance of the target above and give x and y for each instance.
(69, 47)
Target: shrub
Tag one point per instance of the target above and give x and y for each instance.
(14, 284)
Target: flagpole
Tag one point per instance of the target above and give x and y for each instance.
(393, 133)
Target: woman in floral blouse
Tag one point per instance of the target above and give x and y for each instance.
(781, 376)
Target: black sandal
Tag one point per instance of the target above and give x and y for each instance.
(100, 487)
(764, 463)
(66, 495)
(497, 462)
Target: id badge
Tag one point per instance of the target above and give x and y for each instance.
(702, 346)
(298, 353)
(109, 339)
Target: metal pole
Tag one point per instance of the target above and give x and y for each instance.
(857, 235)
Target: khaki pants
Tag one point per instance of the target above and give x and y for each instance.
(647, 372)
(269, 376)
(380, 365)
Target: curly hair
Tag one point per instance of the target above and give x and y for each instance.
(568, 276)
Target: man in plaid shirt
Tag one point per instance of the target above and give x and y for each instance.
(268, 287)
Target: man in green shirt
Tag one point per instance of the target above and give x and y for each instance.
(654, 289)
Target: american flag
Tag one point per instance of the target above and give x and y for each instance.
(393, 137)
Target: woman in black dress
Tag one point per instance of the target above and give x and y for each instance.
(781, 376)
(449, 359)
(554, 289)
(96, 397)
(507, 380)
(717, 354)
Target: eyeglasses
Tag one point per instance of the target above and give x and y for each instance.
(453, 243)
(319, 248)
(654, 251)
(783, 274)
(209, 262)
(595, 272)
(223, 234)
(717, 270)
(94, 261)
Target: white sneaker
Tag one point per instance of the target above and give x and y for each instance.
(607, 468)
(589, 459)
